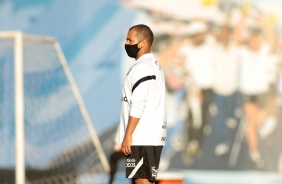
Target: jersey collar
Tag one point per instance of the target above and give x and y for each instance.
(144, 56)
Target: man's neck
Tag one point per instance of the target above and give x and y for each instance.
(141, 54)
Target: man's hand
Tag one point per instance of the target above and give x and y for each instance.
(126, 145)
(127, 140)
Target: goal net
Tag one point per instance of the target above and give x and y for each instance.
(46, 133)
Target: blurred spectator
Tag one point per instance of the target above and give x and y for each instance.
(198, 64)
(255, 81)
(227, 98)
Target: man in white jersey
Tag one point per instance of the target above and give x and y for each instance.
(226, 99)
(197, 52)
(143, 118)
(255, 81)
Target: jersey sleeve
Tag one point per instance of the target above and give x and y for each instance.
(142, 78)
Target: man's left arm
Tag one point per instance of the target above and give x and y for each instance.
(127, 140)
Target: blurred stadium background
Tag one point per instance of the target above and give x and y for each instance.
(61, 70)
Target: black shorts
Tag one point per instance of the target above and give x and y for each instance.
(143, 162)
(260, 100)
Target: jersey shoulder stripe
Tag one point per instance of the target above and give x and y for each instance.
(152, 77)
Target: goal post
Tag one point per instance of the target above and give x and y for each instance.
(36, 107)
(83, 109)
(19, 102)
(19, 109)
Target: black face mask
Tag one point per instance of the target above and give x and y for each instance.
(132, 50)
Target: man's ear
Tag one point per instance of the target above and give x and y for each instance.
(143, 43)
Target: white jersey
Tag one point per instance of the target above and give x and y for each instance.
(226, 69)
(255, 78)
(199, 63)
(143, 97)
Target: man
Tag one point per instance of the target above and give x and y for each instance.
(227, 98)
(198, 53)
(143, 118)
(255, 82)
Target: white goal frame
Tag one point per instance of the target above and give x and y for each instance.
(18, 37)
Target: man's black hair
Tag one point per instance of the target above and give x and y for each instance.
(144, 32)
